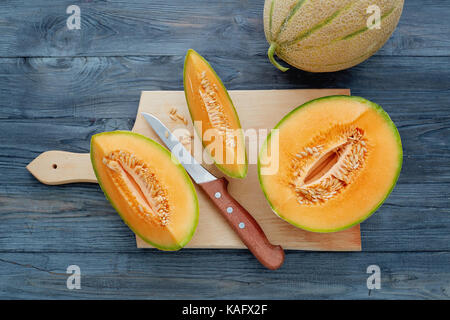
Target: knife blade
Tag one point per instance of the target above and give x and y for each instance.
(195, 170)
(240, 220)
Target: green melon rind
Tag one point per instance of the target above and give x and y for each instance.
(180, 245)
(373, 105)
(237, 175)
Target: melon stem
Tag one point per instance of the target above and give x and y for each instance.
(270, 54)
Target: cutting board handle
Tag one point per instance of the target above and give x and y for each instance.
(60, 167)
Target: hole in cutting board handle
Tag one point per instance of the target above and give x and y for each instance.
(54, 166)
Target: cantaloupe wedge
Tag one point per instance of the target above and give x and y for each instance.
(214, 116)
(338, 159)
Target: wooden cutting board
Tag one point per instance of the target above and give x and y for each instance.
(257, 109)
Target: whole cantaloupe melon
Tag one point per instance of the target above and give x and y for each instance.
(328, 35)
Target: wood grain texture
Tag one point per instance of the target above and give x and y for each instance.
(160, 27)
(57, 88)
(244, 224)
(218, 274)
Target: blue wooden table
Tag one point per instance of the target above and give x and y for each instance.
(58, 87)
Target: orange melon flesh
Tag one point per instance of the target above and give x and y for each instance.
(229, 155)
(173, 179)
(371, 182)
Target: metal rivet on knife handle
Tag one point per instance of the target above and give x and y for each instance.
(241, 221)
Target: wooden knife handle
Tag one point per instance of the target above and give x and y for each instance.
(60, 167)
(244, 224)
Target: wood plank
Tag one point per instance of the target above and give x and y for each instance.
(165, 28)
(40, 218)
(220, 274)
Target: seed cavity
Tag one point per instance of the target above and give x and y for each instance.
(216, 114)
(327, 165)
(139, 185)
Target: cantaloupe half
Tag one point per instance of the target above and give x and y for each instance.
(328, 35)
(337, 159)
(214, 116)
(149, 189)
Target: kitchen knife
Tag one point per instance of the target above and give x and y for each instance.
(246, 227)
